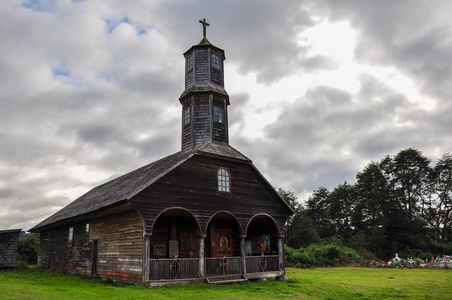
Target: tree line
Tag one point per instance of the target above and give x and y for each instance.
(401, 204)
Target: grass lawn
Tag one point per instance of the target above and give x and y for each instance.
(323, 283)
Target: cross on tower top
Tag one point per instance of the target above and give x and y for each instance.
(204, 24)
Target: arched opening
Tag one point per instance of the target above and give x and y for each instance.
(261, 236)
(222, 245)
(261, 245)
(174, 235)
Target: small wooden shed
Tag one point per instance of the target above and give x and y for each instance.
(202, 214)
(9, 244)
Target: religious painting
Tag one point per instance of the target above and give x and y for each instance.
(260, 244)
(266, 241)
(224, 244)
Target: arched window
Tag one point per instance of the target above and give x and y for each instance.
(224, 181)
(218, 114)
(187, 116)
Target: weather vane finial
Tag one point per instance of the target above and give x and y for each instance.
(204, 24)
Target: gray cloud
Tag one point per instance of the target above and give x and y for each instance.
(415, 38)
(89, 91)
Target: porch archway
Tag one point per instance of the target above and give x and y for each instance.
(177, 229)
(263, 245)
(222, 245)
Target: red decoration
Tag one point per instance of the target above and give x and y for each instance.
(224, 246)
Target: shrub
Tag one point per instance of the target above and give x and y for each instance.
(321, 255)
(417, 262)
(426, 256)
(28, 249)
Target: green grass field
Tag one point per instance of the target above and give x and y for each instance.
(322, 283)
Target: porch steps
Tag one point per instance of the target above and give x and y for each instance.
(227, 279)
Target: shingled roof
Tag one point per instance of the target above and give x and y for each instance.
(128, 185)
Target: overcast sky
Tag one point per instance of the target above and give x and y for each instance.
(318, 89)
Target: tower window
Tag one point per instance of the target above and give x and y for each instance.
(216, 62)
(224, 181)
(218, 114)
(189, 63)
(187, 116)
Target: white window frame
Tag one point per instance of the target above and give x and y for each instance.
(224, 180)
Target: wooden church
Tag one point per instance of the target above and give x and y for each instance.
(204, 214)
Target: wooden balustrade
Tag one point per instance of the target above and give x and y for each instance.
(186, 268)
(266, 263)
(169, 268)
(220, 266)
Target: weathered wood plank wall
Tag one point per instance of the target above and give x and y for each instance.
(9, 243)
(193, 185)
(120, 246)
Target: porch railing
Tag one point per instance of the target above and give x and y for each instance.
(185, 268)
(266, 263)
(220, 266)
(181, 268)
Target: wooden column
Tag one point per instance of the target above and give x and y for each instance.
(201, 260)
(242, 255)
(282, 266)
(146, 256)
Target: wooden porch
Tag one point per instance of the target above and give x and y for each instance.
(217, 269)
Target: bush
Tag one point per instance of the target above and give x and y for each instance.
(21, 265)
(321, 255)
(417, 262)
(426, 256)
(28, 249)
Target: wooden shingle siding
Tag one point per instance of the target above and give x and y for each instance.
(201, 65)
(216, 76)
(201, 120)
(9, 243)
(189, 78)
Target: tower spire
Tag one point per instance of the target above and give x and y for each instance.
(204, 100)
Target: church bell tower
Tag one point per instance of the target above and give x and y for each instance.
(204, 100)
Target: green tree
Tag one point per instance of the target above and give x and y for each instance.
(438, 209)
(341, 203)
(300, 229)
(317, 208)
(28, 249)
(370, 218)
(411, 172)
